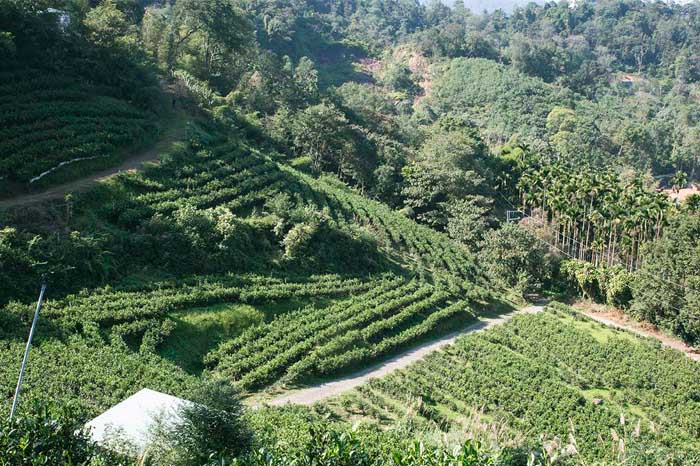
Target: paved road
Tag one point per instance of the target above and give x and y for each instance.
(316, 393)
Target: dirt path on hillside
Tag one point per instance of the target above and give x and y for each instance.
(308, 396)
(174, 132)
(617, 319)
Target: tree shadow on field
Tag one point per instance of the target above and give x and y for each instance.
(200, 330)
(493, 307)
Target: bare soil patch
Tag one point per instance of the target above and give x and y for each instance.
(682, 194)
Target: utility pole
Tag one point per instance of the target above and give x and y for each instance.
(513, 216)
(26, 350)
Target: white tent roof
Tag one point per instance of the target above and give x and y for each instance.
(132, 419)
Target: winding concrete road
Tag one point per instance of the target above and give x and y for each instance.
(309, 396)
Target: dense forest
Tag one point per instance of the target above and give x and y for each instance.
(330, 183)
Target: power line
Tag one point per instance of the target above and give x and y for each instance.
(15, 400)
(572, 257)
(619, 262)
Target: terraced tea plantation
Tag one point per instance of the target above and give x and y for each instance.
(258, 315)
(348, 335)
(229, 174)
(52, 123)
(134, 326)
(301, 328)
(555, 373)
(317, 223)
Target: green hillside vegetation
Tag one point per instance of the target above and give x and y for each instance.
(503, 101)
(671, 303)
(214, 201)
(338, 196)
(345, 336)
(145, 323)
(73, 98)
(645, 127)
(199, 330)
(555, 373)
(214, 204)
(63, 122)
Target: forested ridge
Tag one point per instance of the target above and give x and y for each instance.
(356, 177)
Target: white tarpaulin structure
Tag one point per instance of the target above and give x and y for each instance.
(131, 420)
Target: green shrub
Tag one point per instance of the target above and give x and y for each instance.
(608, 285)
(52, 436)
(514, 258)
(618, 287)
(211, 426)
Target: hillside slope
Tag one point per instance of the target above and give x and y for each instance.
(582, 385)
(220, 229)
(50, 123)
(73, 96)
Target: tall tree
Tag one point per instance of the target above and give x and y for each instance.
(209, 30)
